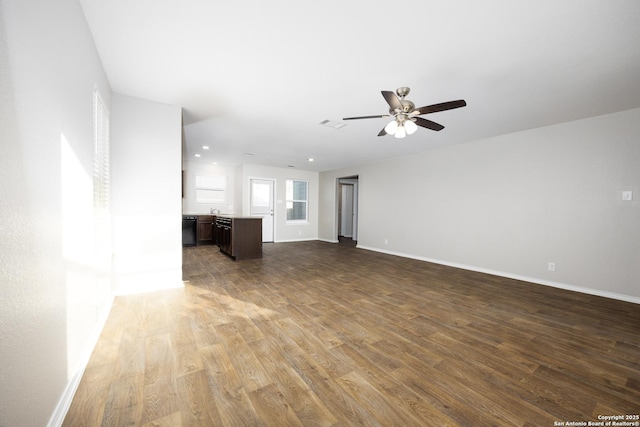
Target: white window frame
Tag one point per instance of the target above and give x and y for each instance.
(292, 200)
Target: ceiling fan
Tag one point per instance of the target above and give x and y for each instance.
(405, 114)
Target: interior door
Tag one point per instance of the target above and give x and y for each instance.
(262, 205)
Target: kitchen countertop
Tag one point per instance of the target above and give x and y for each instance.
(238, 216)
(223, 215)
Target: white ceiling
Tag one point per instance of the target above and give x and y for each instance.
(255, 76)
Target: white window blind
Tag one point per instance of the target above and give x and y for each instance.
(101, 173)
(211, 189)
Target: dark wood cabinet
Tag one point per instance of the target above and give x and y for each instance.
(239, 237)
(223, 234)
(205, 233)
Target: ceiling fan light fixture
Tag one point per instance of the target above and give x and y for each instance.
(391, 127)
(400, 132)
(410, 127)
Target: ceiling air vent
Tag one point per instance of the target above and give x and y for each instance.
(332, 124)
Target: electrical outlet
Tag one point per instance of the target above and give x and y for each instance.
(551, 266)
(627, 195)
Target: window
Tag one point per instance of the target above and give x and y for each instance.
(297, 206)
(211, 189)
(101, 211)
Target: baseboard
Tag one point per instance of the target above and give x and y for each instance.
(328, 240)
(64, 403)
(565, 286)
(319, 239)
(297, 240)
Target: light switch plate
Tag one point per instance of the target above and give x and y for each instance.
(627, 195)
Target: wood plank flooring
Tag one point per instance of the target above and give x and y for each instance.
(320, 334)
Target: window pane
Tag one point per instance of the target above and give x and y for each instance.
(260, 195)
(296, 211)
(299, 190)
(296, 200)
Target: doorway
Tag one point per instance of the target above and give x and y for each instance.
(262, 205)
(347, 209)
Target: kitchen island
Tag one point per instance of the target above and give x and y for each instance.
(240, 237)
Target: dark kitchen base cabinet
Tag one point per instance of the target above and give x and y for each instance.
(206, 230)
(240, 237)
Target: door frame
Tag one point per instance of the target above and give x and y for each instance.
(346, 210)
(351, 180)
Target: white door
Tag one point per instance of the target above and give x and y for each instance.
(262, 205)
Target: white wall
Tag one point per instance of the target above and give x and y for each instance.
(284, 232)
(55, 294)
(512, 204)
(193, 169)
(146, 193)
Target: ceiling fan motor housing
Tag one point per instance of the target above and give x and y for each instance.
(407, 107)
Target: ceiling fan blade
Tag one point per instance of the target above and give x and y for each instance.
(364, 117)
(428, 124)
(392, 100)
(382, 132)
(441, 107)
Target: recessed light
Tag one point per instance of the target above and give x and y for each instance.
(214, 163)
(291, 166)
(310, 159)
(197, 155)
(205, 147)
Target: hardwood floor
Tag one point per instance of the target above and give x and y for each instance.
(320, 334)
